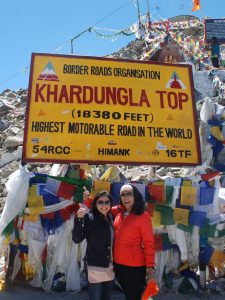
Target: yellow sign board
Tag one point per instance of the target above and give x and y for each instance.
(98, 110)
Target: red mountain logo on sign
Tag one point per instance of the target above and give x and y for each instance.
(48, 73)
(175, 82)
(41, 113)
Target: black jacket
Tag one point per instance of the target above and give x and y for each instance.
(96, 229)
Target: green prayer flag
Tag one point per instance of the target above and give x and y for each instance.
(208, 230)
(9, 228)
(169, 194)
(186, 228)
(221, 233)
(167, 215)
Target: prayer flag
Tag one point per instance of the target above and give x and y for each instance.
(156, 219)
(166, 242)
(206, 195)
(218, 259)
(181, 216)
(169, 194)
(66, 190)
(35, 204)
(115, 192)
(186, 228)
(156, 192)
(167, 217)
(208, 230)
(158, 242)
(150, 208)
(141, 188)
(50, 199)
(210, 176)
(52, 186)
(188, 195)
(187, 183)
(100, 185)
(197, 218)
(205, 254)
(216, 132)
(196, 4)
(32, 191)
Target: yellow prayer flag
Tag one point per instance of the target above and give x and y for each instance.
(216, 132)
(30, 218)
(2, 285)
(111, 174)
(212, 182)
(158, 183)
(181, 216)
(16, 241)
(31, 200)
(187, 183)
(156, 219)
(188, 195)
(6, 241)
(101, 185)
(32, 191)
(35, 204)
(218, 259)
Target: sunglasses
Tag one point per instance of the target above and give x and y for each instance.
(126, 194)
(103, 202)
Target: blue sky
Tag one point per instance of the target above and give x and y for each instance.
(28, 26)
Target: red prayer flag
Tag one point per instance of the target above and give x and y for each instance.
(49, 216)
(158, 242)
(210, 176)
(150, 208)
(67, 211)
(156, 192)
(44, 254)
(88, 202)
(66, 190)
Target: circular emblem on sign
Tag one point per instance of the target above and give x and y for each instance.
(155, 152)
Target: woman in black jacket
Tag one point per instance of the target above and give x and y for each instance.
(97, 227)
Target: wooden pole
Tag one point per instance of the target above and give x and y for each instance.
(148, 16)
(139, 14)
(148, 9)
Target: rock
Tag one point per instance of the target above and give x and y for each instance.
(14, 130)
(2, 127)
(11, 95)
(161, 172)
(4, 193)
(13, 141)
(9, 157)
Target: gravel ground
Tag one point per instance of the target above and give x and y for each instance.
(21, 292)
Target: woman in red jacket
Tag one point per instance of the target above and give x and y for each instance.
(134, 253)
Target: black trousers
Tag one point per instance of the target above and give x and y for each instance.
(132, 280)
(215, 62)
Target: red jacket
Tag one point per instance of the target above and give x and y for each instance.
(134, 240)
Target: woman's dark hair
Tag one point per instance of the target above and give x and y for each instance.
(139, 202)
(96, 197)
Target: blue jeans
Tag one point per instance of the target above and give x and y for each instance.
(100, 291)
